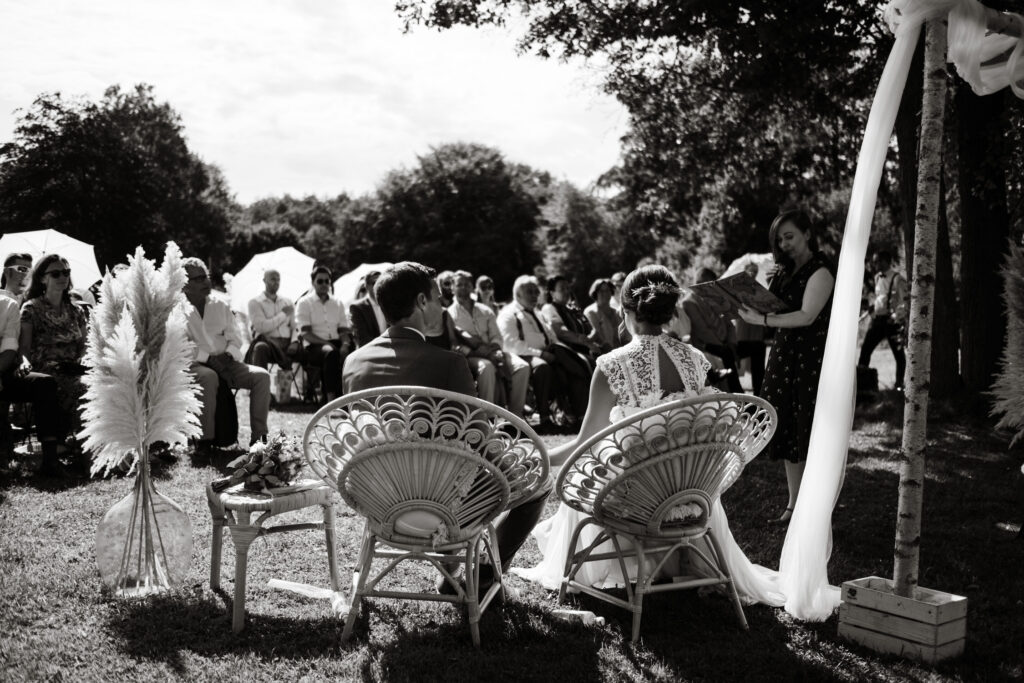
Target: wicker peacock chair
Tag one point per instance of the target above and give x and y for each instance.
(430, 470)
(651, 479)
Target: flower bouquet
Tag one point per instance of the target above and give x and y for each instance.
(266, 466)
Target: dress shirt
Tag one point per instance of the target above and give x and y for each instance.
(536, 336)
(324, 318)
(11, 295)
(890, 291)
(10, 323)
(214, 332)
(478, 320)
(267, 318)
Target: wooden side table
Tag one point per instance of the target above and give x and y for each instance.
(234, 508)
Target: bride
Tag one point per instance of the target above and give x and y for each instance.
(653, 368)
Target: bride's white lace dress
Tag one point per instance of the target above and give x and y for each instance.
(633, 374)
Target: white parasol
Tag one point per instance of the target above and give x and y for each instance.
(81, 256)
(292, 264)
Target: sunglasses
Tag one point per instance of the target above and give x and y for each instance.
(321, 282)
(486, 286)
(66, 272)
(198, 278)
(19, 269)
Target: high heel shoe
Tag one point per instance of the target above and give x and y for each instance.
(784, 518)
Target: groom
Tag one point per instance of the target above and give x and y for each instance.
(410, 300)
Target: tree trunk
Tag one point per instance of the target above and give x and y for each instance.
(985, 228)
(945, 370)
(915, 415)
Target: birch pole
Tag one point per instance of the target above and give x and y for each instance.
(915, 416)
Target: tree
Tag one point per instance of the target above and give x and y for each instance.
(915, 416)
(462, 206)
(116, 173)
(245, 241)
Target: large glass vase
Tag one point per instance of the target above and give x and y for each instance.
(144, 542)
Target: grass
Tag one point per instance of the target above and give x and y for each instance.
(57, 623)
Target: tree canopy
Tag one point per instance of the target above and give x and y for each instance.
(115, 173)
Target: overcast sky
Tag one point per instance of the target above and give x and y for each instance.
(312, 96)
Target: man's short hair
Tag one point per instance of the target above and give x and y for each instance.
(460, 274)
(11, 258)
(321, 269)
(399, 285)
(194, 262)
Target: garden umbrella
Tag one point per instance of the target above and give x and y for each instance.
(79, 255)
(763, 261)
(292, 264)
(347, 286)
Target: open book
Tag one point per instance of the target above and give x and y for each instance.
(728, 294)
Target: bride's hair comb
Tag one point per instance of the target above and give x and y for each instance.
(647, 293)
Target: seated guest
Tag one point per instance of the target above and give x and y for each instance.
(605, 320)
(17, 384)
(712, 333)
(324, 330)
(211, 327)
(15, 273)
(53, 334)
(486, 359)
(485, 293)
(410, 298)
(271, 318)
(366, 315)
(567, 320)
(524, 334)
(446, 281)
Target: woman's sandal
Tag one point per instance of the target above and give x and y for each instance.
(784, 518)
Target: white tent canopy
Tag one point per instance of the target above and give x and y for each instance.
(292, 264)
(763, 261)
(347, 286)
(80, 255)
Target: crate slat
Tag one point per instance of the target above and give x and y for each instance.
(902, 627)
(887, 644)
(929, 606)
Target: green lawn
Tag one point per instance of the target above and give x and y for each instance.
(57, 623)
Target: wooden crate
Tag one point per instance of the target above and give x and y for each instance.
(929, 627)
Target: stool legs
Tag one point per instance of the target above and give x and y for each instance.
(242, 535)
(332, 560)
(216, 551)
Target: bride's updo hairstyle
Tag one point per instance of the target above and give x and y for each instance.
(651, 292)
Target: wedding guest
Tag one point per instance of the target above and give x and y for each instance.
(218, 358)
(524, 334)
(617, 281)
(324, 330)
(272, 321)
(602, 317)
(446, 281)
(410, 298)
(490, 366)
(19, 384)
(750, 343)
(888, 314)
(804, 280)
(12, 281)
(485, 293)
(567, 320)
(52, 338)
(712, 333)
(366, 314)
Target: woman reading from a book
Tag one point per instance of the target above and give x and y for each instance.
(804, 280)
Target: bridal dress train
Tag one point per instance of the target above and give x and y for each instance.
(633, 373)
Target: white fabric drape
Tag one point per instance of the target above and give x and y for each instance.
(805, 553)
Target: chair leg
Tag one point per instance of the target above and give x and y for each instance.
(570, 558)
(242, 535)
(332, 559)
(216, 551)
(473, 591)
(363, 566)
(638, 595)
(724, 569)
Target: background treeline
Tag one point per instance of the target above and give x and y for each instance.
(735, 109)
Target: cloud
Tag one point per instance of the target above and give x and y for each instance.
(311, 97)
